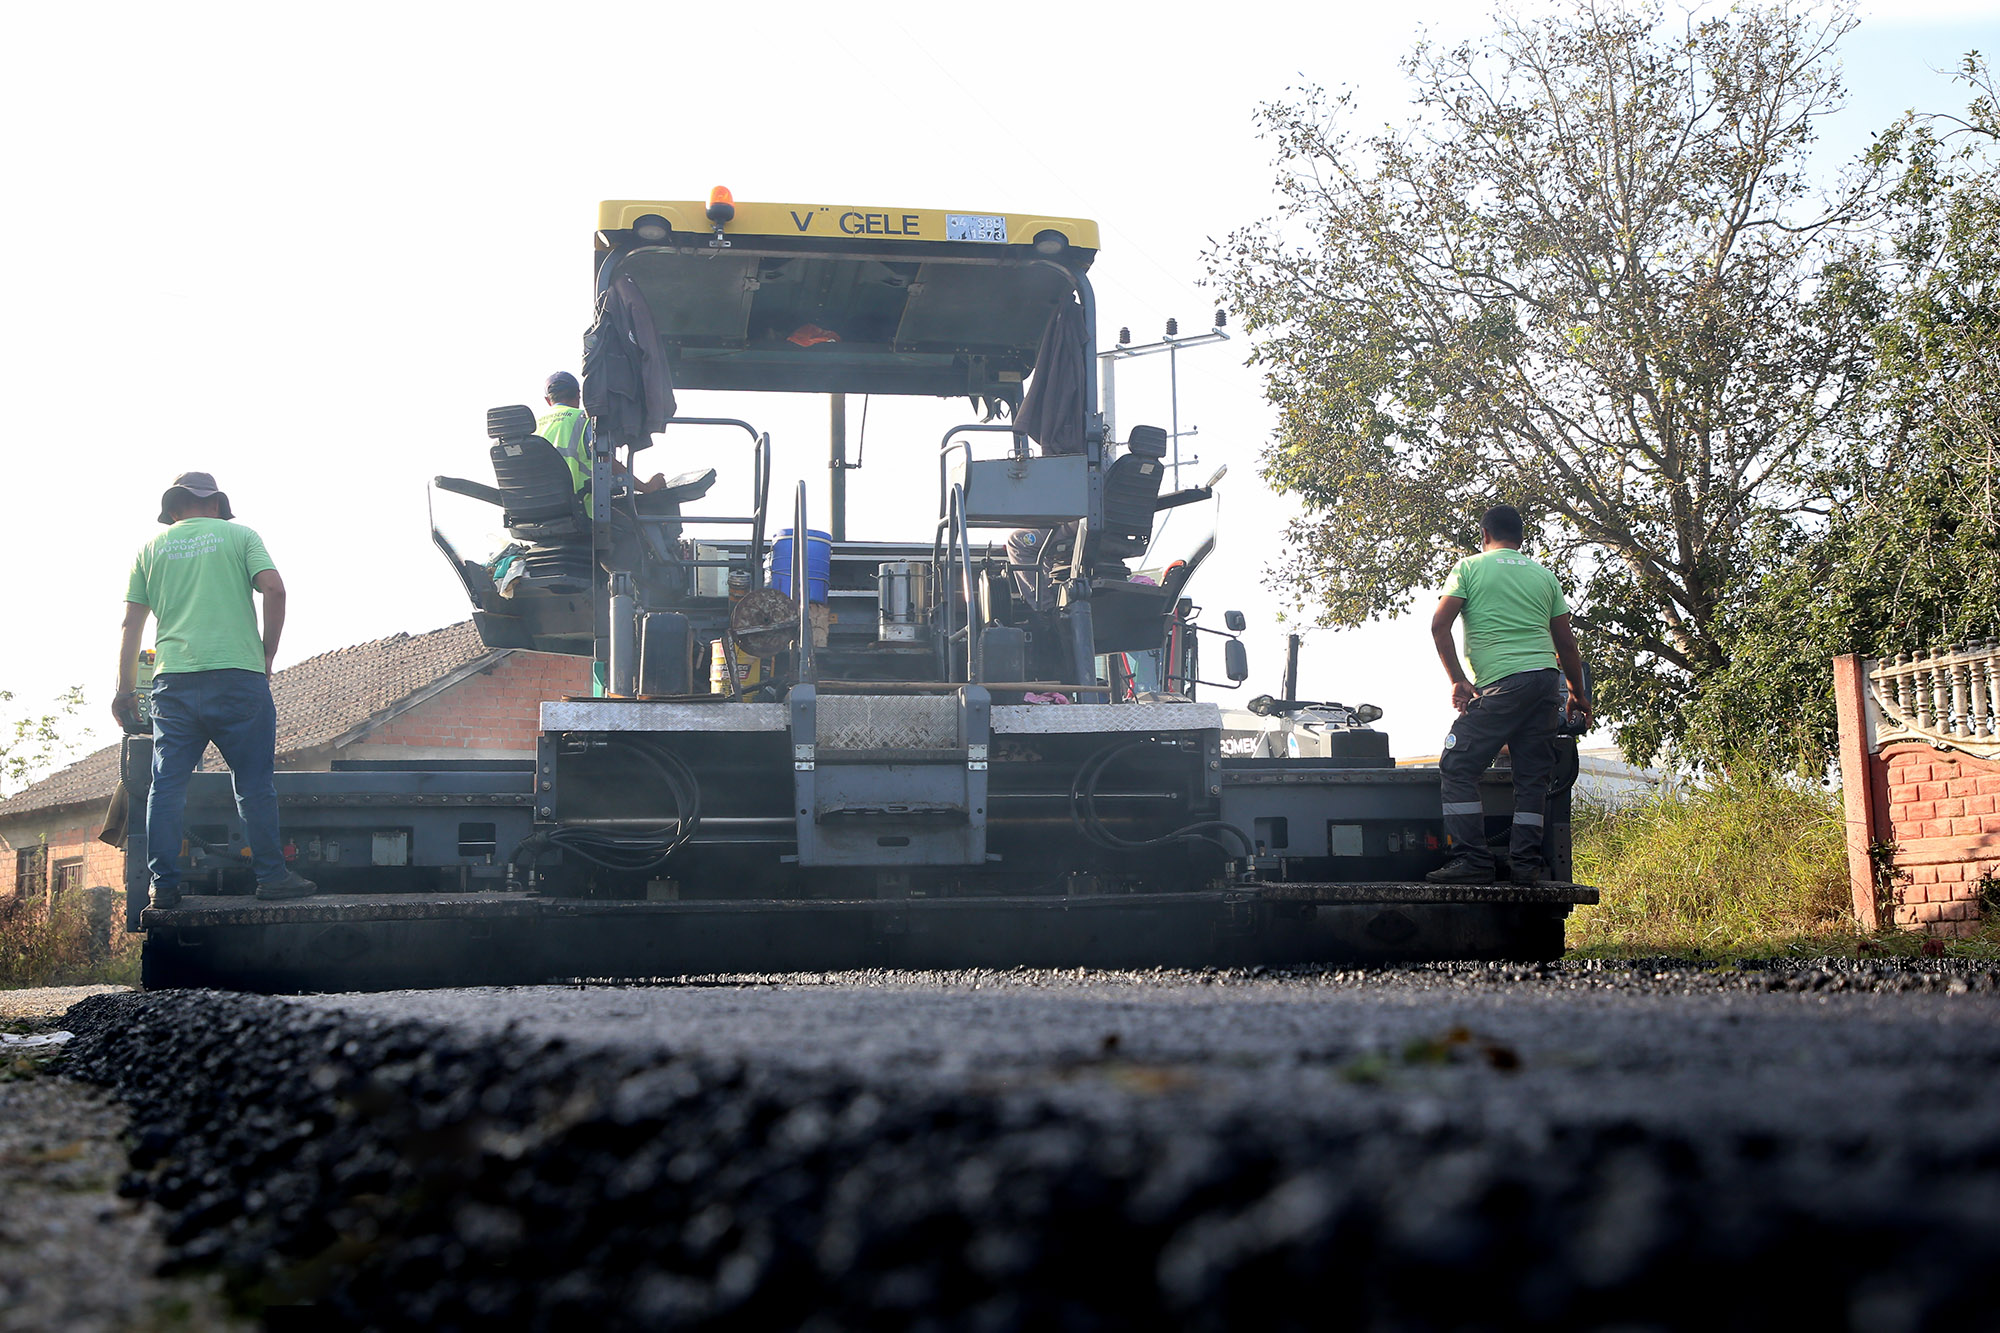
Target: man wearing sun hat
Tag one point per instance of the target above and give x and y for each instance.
(212, 679)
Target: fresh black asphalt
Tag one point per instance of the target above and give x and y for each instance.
(1575, 1145)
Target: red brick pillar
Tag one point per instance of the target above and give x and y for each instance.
(1861, 786)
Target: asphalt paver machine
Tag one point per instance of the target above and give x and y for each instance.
(984, 744)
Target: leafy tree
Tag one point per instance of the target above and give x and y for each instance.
(1925, 526)
(29, 745)
(1589, 277)
(1911, 558)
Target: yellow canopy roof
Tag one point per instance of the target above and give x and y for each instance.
(861, 223)
(830, 299)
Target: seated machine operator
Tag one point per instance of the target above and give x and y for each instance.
(567, 427)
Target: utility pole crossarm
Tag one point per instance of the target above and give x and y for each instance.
(1171, 344)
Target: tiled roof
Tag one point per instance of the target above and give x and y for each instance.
(324, 698)
(320, 701)
(91, 778)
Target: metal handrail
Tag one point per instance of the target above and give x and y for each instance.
(762, 504)
(941, 595)
(959, 535)
(760, 488)
(802, 590)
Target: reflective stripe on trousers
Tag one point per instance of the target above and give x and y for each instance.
(1521, 712)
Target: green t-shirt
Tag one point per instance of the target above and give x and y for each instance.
(1509, 602)
(196, 576)
(568, 429)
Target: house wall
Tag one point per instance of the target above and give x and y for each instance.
(70, 835)
(1944, 819)
(493, 714)
(1923, 821)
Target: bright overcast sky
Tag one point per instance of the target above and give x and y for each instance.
(304, 248)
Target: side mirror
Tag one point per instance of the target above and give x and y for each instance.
(1261, 705)
(1235, 621)
(1236, 659)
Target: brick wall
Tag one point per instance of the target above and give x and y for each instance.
(496, 711)
(69, 835)
(1944, 818)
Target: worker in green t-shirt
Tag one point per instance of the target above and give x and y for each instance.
(1518, 639)
(212, 677)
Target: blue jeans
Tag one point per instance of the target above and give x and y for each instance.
(233, 709)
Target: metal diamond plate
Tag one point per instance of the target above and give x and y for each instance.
(1049, 719)
(886, 721)
(633, 716)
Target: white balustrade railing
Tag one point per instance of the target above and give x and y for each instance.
(1947, 697)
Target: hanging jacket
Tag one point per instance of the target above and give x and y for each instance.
(1051, 412)
(626, 388)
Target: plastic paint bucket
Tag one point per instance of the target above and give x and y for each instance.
(819, 563)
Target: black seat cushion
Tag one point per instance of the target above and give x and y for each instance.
(1147, 441)
(1131, 490)
(557, 569)
(536, 484)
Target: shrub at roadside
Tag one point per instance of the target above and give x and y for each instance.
(1748, 866)
(42, 945)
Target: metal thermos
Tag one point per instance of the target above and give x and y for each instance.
(904, 590)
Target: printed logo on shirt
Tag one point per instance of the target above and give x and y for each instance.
(1450, 740)
(190, 546)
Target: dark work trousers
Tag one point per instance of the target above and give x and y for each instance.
(232, 708)
(1522, 712)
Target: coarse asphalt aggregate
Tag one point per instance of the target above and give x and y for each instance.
(1575, 1145)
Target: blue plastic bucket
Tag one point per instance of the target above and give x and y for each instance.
(819, 563)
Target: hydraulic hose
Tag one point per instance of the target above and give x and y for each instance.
(633, 851)
(1083, 810)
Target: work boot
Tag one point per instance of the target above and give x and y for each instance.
(1528, 874)
(165, 898)
(293, 885)
(1461, 870)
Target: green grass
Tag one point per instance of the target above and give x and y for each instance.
(1749, 868)
(40, 946)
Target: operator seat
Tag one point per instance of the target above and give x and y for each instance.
(1131, 495)
(539, 502)
(1128, 617)
(1125, 616)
